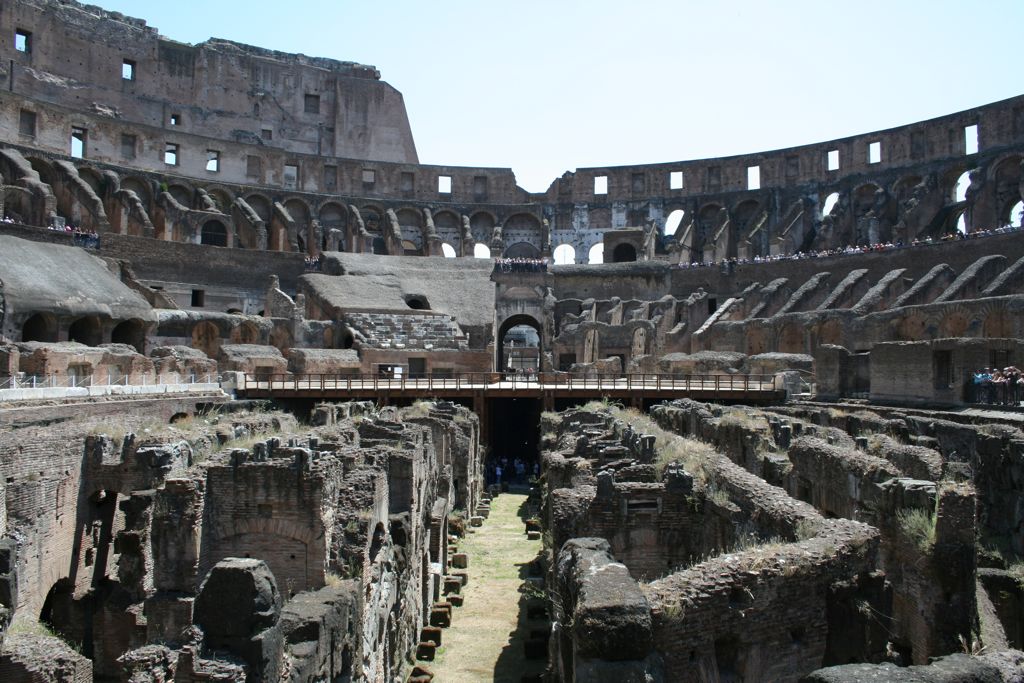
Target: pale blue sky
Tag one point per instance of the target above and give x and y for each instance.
(545, 87)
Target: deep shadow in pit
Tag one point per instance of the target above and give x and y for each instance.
(514, 430)
(524, 657)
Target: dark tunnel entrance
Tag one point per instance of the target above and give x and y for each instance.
(514, 433)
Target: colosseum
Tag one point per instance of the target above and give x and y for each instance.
(743, 419)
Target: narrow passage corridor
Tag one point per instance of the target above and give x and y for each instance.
(488, 635)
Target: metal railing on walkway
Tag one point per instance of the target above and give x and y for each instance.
(102, 380)
(284, 383)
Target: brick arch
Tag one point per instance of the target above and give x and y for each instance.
(261, 204)
(904, 185)
(206, 337)
(954, 324)
(757, 339)
(374, 222)
(267, 525)
(830, 332)
(791, 339)
(289, 549)
(1002, 164)
(949, 177)
(182, 193)
(245, 333)
(910, 327)
(223, 197)
(449, 229)
(999, 323)
(44, 168)
(92, 177)
(142, 187)
(481, 224)
(281, 338)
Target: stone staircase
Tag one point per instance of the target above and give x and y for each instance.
(428, 331)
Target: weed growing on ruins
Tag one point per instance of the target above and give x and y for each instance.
(806, 529)
(457, 522)
(695, 456)
(971, 646)
(866, 415)
(918, 525)
(31, 627)
(251, 440)
(1016, 570)
(672, 611)
(113, 431)
(419, 409)
(743, 420)
(333, 579)
(748, 541)
(605, 404)
(718, 496)
(1002, 431)
(533, 591)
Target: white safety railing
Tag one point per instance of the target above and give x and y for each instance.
(102, 380)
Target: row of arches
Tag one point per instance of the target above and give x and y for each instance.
(797, 337)
(912, 205)
(89, 330)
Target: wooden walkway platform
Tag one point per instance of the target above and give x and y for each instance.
(749, 388)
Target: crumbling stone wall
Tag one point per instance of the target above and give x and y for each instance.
(344, 524)
(784, 590)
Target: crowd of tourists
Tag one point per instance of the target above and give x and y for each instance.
(528, 373)
(998, 387)
(522, 265)
(728, 265)
(315, 264)
(79, 237)
(514, 472)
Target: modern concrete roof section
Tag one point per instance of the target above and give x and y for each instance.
(64, 280)
(460, 288)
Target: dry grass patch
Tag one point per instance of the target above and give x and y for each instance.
(694, 455)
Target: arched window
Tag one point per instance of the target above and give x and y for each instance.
(39, 328)
(448, 250)
(215, 234)
(86, 331)
(564, 254)
(522, 250)
(674, 220)
(962, 183)
(624, 253)
(1016, 214)
(481, 251)
(521, 348)
(131, 332)
(596, 254)
(830, 203)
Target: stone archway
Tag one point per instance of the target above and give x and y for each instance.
(206, 338)
(501, 361)
(87, 330)
(131, 332)
(39, 327)
(624, 253)
(214, 234)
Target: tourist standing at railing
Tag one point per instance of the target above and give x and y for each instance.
(982, 384)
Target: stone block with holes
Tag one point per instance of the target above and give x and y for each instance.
(431, 634)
